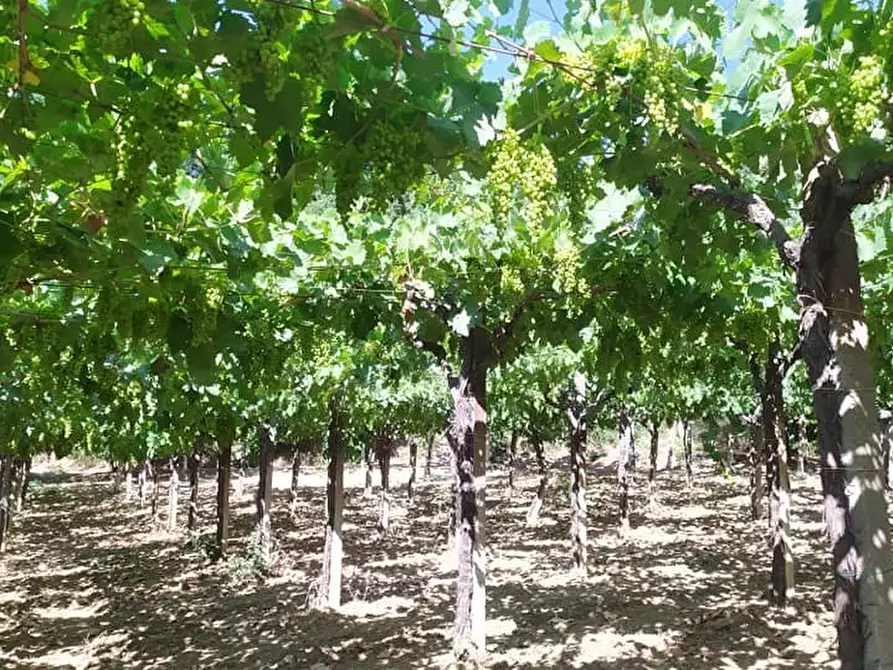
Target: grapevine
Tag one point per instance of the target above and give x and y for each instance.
(266, 55)
(115, 22)
(316, 51)
(522, 177)
(566, 269)
(577, 182)
(510, 283)
(153, 132)
(860, 109)
(661, 91)
(391, 154)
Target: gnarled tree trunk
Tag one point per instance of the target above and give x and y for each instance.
(142, 482)
(536, 505)
(264, 497)
(172, 492)
(577, 416)
(295, 471)
(369, 457)
(687, 450)
(834, 341)
(623, 448)
(834, 337)
(469, 393)
(329, 591)
(654, 433)
(777, 477)
(224, 471)
(193, 464)
(633, 461)
(413, 461)
(887, 441)
(128, 483)
(513, 451)
(156, 490)
(755, 456)
(384, 445)
(5, 491)
(25, 476)
(429, 455)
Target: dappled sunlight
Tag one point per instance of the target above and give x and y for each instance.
(685, 588)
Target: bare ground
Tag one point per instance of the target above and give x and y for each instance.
(90, 581)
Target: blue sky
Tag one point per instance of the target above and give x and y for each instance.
(540, 11)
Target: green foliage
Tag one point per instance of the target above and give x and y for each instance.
(210, 214)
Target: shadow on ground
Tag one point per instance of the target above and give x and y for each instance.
(91, 580)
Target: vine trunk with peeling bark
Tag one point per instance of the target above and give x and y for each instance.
(834, 338)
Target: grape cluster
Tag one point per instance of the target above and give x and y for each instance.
(347, 184)
(317, 51)
(566, 262)
(522, 178)
(266, 55)
(115, 21)
(171, 110)
(861, 109)
(152, 133)
(661, 94)
(203, 315)
(392, 155)
(578, 183)
(629, 52)
(510, 283)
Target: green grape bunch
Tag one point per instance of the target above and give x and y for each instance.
(511, 284)
(393, 156)
(204, 313)
(861, 98)
(266, 54)
(661, 95)
(115, 22)
(522, 179)
(153, 133)
(317, 51)
(566, 263)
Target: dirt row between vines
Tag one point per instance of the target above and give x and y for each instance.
(90, 580)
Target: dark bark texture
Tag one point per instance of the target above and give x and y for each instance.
(429, 455)
(173, 490)
(687, 451)
(513, 451)
(413, 467)
(833, 335)
(626, 436)
(578, 420)
(755, 456)
(224, 474)
(777, 477)
(654, 434)
(384, 446)
(834, 338)
(264, 497)
(536, 505)
(194, 461)
(369, 457)
(329, 591)
(295, 472)
(469, 391)
(5, 491)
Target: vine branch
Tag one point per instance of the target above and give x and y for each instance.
(753, 209)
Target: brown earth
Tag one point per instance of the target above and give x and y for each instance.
(91, 581)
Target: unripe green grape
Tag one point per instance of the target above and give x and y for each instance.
(391, 155)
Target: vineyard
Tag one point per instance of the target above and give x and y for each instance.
(443, 333)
